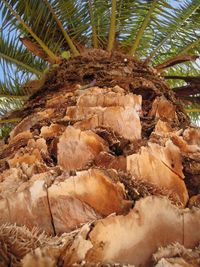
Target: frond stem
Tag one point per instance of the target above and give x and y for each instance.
(94, 30)
(182, 53)
(22, 97)
(193, 110)
(175, 60)
(39, 41)
(65, 34)
(12, 120)
(142, 29)
(111, 36)
(21, 64)
(190, 46)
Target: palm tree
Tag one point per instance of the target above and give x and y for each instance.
(103, 158)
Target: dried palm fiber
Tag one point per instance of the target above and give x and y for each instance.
(96, 141)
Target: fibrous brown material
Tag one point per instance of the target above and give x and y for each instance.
(16, 242)
(108, 97)
(178, 262)
(28, 158)
(85, 264)
(183, 145)
(131, 235)
(28, 207)
(21, 140)
(163, 109)
(76, 148)
(194, 201)
(85, 197)
(163, 167)
(99, 145)
(153, 222)
(30, 121)
(36, 151)
(58, 204)
(52, 131)
(109, 161)
(124, 121)
(191, 163)
(192, 136)
(137, 188)
(187, 140)
(108, 108)
(177, 255)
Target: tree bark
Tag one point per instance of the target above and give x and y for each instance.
(104, 157)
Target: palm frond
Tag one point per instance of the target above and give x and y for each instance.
(11, 51)
(11, 98)
(193, 110)
(12, 91)
(101, 11)
(13, 120)
(176, 60)
(142, 28)
(139, 20)
(94, 30)
(129, 18)
(35, 49)
(190, 46)
(30, 31)
(184, 69)
(37, 16)
(75, 20)
(5, 129)
(175, 25)
(7, 105)
(111, 36)
(65, 34)
(194, 114)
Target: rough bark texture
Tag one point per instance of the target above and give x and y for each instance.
(105, 158)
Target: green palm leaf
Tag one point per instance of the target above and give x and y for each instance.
(12, 52)
(30, 31)
(171, 28)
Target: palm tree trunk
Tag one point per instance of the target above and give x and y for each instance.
(105, 143)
